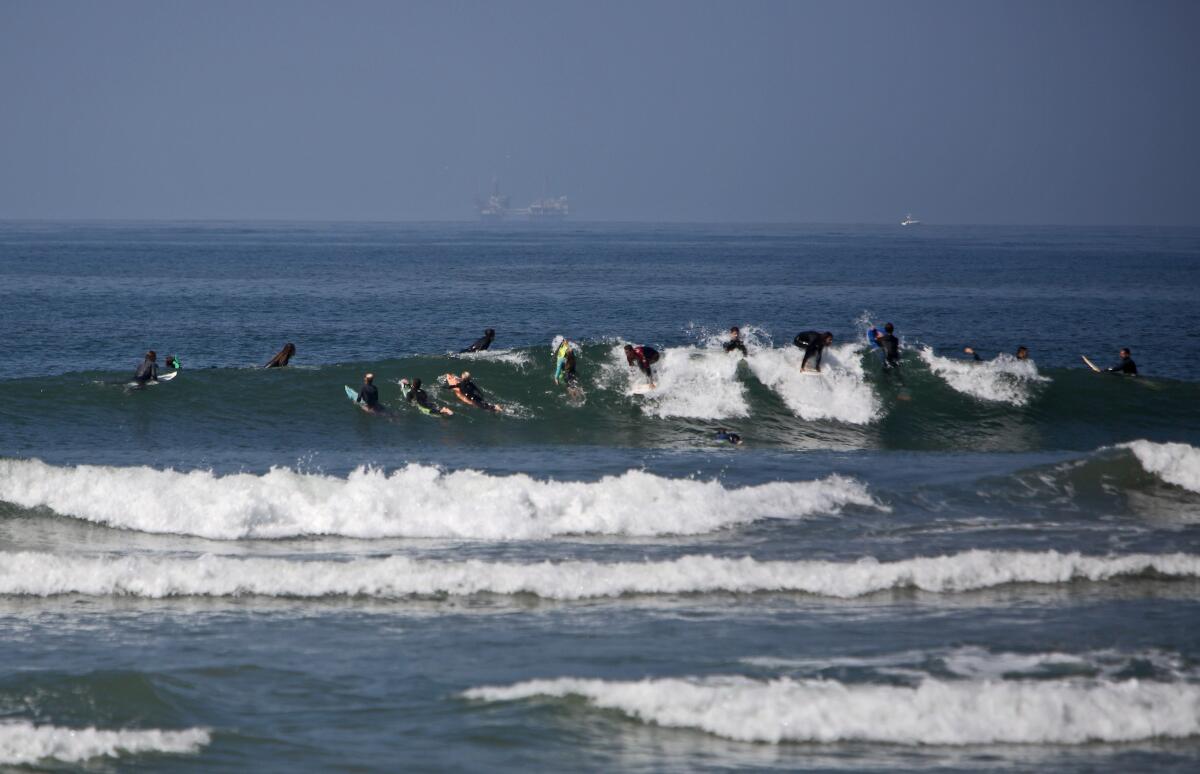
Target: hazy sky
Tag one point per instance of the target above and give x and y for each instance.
(962, 112)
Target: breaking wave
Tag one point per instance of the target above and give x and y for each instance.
(1175, 463)
(45, 574)
(1003, 380)
(839, 392)
(938, 712)
(23, 743)
(414, 501)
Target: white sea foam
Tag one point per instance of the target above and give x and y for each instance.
(45, 574)
(23, 743)
(695, 383)
(1003, 379)
(1175, 463)
(414, 501)
(839, 392)
(933, 712)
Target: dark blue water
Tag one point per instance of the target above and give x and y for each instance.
(959, 565)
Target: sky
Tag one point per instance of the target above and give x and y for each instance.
(969, 111)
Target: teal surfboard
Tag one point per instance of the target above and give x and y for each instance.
(352, 394)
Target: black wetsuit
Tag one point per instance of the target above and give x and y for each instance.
(1126, 366)
(471, 392)
(480, 344)
(645, 357)
(891, 350)
(369, 394)
(733, 344)
(813, 343)
(147, 371)
(975, 356)
(421, 398)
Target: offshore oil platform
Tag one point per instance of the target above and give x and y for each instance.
(497, 207)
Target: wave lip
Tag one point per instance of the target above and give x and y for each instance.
(44, 574)
(840, 392)
(1001, 380)
(936, 712)
(1175, 463)
(417, 501)
(24, 743)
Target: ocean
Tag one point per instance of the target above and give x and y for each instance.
(957, 566)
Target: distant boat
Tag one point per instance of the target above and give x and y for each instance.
(909, 220)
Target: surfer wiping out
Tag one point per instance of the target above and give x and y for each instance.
(735, 343)
(482, 343)
(418, 397)
(644, 357)
(467, 391)
(1021, 354)
(282, 357)
(813, 343)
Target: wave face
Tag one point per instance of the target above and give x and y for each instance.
(1002, 380)
(935, 712)
(23, 743)
(839, 392)
(1175, 463)
(43, 574)
(417, 501)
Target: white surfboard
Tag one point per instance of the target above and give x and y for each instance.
(1090, 364)
(642, 389)
(168, 376)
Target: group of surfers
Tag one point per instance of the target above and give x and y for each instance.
(639, 356)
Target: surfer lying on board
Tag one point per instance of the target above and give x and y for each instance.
(643, 357)
(482, 343)
(467, 391)
(728, 437)
(813, 343)
(148, 370)
(284, 355)
(1022, 354)
(368, 394)
(735, 342)
(418, 397)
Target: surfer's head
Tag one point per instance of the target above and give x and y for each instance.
(1022, 353)
(369, 378)
(889, 328)
(828, 337)
(1125, 352)
(735, 332)
(490, 333)
(465, 375)
(416, 384)
(152, 355)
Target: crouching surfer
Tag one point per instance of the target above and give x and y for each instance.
(413, 393)
(468, 392)
(813, 343)
(643, 357)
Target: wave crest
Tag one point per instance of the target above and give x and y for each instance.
(23, 743)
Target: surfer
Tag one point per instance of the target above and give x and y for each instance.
(172, 361)
(368, 394)
(148, 370)
(482, 343)
(890, 345)
(417, 396)
(644, 357)
(281, 359)
(735, 342)
(1126, 364)
(467, 391)
(564, 364)
(728, 437)
(1022, 354)
(813, 343)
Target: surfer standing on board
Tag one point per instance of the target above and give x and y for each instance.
(643, 357)
(890, 345)
(813, 343)
(482, 343)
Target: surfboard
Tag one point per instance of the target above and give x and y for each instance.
(351, 393)
(1090, 364)
(161, 378)
(642, 389)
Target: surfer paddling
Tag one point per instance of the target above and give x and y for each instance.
(467, 391)
(1022, 353)
(482, 343)
(643, 357)
(418, 397)
(813, 343)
